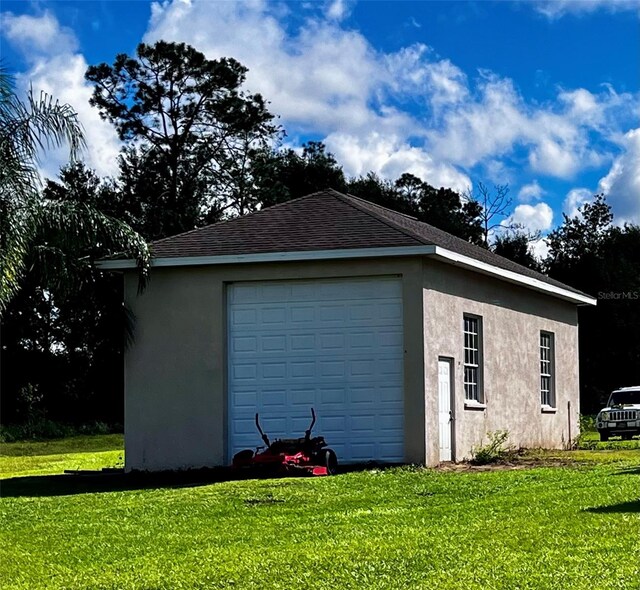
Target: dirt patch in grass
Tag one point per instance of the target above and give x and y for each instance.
(533, 458)
(529, 463)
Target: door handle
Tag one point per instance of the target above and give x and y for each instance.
(451, 418)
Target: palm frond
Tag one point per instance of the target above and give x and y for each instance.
(82, 233)
(25, 129)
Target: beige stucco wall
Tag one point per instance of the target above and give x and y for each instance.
(175, 372)
(512, 318)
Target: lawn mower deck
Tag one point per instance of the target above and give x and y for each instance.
(289, 456)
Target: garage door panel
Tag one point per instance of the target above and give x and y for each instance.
(390, 311)
(388, 396)
(331, 342)
(302, 315)
(274, 344)
(332, 315)
(305, 397)
(271, 371)
(246, 317)
(244, 344)
(330, 369)
(272, 424)
(244, 426)
(245, 399)
(390, 340)
(364, 423)
(334, 345)
(272, 316)
(303, 369)
(360, 395)
(276, 398)
(390, 451)
(302, 343)
(361, 341)
(362, 368)
(362, 452)
(332, 395)
(389, 368)
(333, 425)
(362, 312)
(244, 372)
(274, 292)
(390, 422)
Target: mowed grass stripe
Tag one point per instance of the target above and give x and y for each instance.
(400, 528)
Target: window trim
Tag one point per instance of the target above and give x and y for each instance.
(547, 396)
(477, 402)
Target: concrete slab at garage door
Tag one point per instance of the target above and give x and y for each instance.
(336, 345)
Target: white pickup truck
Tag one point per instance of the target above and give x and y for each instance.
(621, 417)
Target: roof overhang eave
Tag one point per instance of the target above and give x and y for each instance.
(431, 251)
(515, 278)
(273, 257)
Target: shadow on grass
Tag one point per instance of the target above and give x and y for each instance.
(97, 482)
(630, 471)
(100, 482)
(632, 506)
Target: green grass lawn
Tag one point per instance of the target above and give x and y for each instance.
(54, 456)
(556, 527)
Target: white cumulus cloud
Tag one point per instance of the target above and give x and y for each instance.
(320, 78)
(408, 110)
(582, 104)
(554, 9)
(325, 79)
(622, 183)
(39, 35)
(575, 198)
(390, 157)
(530, 192)
(539, 248)
(58, 69)
(328, 80)
(414, 71)
(496, 120)
(533, 218)
(338, 9)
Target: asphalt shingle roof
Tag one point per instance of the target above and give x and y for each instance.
(326, 220)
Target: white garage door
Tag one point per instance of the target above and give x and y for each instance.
(334, 345)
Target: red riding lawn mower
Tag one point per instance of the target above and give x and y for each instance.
(290, 456)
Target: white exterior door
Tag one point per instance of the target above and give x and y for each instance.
(334, 345)
(445, 414)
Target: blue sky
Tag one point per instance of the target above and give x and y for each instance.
(542, 95)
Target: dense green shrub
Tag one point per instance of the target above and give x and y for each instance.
(41, 428)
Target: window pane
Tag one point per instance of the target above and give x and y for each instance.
(546, 369)
(471, 383)
(472, 358)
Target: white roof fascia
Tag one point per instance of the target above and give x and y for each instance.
(273, 257)
(433, 251)
(511, 277)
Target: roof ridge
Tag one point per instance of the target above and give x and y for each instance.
(354, 202)
(412, 234)
(377, 205)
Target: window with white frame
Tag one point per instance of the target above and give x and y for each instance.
(473, 359)
(547, 393)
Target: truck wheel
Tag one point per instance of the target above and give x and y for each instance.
(604, 436)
